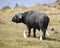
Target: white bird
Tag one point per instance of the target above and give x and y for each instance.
(41, 35)
(50, 28)
(24, 34)
(40, 38)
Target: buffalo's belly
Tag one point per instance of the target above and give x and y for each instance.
(36, 26)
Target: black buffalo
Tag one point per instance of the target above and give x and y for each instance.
(33, 19)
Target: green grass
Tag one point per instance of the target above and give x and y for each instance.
(11, 34)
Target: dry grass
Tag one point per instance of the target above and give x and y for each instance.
(11, 34)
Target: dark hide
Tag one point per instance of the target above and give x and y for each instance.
(33, 19)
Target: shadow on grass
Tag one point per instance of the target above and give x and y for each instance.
(53, 39)
(49, 39)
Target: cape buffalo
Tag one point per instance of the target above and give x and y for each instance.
(33, 19)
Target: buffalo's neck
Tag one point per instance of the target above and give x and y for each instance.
(24, 15)
(23, 20)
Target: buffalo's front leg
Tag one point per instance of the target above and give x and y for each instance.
(34, 31)
(29, 30)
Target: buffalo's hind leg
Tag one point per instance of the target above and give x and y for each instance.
(34, 31)
(44, 32)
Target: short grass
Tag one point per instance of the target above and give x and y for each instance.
(11, 34)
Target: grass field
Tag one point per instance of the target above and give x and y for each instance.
(11, 34)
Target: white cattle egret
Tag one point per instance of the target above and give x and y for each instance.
(24, 34)
(40, 38)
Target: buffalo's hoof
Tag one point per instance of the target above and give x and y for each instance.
(34, 36)
(43, 38)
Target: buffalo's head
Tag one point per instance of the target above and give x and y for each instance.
(17, 18)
